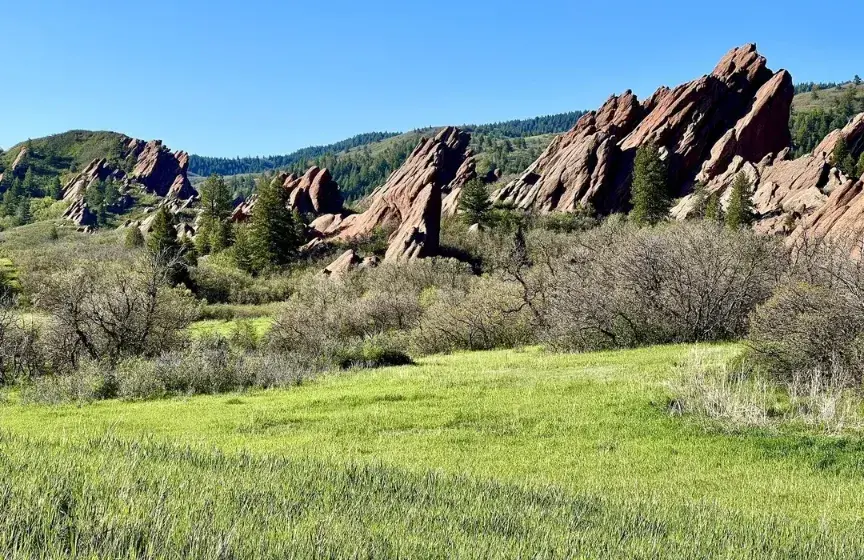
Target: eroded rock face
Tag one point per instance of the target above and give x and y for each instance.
(22, 153)
(161, 171)
(806, 193)
(409, 203)
(156, 170)
(740, 109)
(315, 193)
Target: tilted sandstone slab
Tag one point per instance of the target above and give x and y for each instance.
(22, 153)
(740, 109)
(409, 203)
(156, 170)
(161, 171)
(314, 193)
(793, 193)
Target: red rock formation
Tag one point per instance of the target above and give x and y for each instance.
(740, 109)
(161, 171)
(791, 194)
(157, 170)
(314, 193)
(409, 203)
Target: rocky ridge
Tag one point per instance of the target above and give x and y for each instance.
(741, 110)
(409, 205)
(154, 169)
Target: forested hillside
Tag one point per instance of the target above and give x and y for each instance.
(201, 165)
(549, 124)
(820, 108)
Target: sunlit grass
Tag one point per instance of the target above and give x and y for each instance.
(508, 453)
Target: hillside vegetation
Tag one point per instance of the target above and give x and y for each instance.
(817, 112)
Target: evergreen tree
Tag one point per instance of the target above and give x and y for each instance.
(713, 210)
(474, 203)
(843, 159)
(242, 249)
(134, 238)
(859, 171)
(24, 214)
(29, 185)
(857, 80)
(650, 194)
(276, 232)
(111, 195)
(739, 212)
(55, 189)
(162, 241)
(700, 200)
(214, 232)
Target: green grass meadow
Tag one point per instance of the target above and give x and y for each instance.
(518, 454)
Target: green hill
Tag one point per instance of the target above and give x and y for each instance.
(818, 111)
(67, 152)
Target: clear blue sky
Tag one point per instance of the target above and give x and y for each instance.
(251, 77)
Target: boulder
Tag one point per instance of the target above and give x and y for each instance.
(347, 261)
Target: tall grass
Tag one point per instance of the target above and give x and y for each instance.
(107, 497)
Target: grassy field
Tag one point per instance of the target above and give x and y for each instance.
(496, 454)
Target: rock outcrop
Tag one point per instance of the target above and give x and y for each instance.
(155, 170)
(409, 204)
(161, 171)
(740, 110)
(315, 193)
(22, 153)
(806, 193)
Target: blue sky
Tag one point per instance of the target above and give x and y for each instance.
(264, 77)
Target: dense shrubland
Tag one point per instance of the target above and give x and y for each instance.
(109, 323)
(99, 316)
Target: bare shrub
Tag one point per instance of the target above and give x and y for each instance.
(490, 315)
(108, 313)
(815, 320)
(684, 282)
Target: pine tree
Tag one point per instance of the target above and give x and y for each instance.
(242, 249)
(162, 241)
(700, 201)
(859, 171)
(29, 184)
(134, 238)
(713, 210)
(24, 215)
(842, 158)
(55, 189)
(474, 203)
(650, 196)
(214, 232)
(739, 212)
(276, 232)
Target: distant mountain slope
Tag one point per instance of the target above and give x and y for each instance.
(817, 111)
(362, 162)
(549, 124)
(205, 166)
